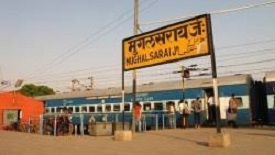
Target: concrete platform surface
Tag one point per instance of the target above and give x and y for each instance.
(162, 142)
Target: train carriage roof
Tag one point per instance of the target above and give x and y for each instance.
(158, 86)
(226, 80)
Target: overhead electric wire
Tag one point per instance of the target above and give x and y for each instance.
(248, 6)
(264, 69)
(244, 55)
(248, 63)
(111, 70)
(112, 83)
(78, 47)
(150, 74)
(246, 44)
(226, 47)
(90, 70)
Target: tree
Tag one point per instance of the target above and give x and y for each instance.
(33, 90)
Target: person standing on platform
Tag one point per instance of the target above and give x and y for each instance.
(196, 106)
(137, 115)
(185, 114)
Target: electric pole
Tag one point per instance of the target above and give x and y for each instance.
(91, 78)
(74, 82)
(214, 77)
(136, 6)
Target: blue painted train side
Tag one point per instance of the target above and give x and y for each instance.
(240, 85)
(154, 99)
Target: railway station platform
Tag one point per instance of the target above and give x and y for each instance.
(160, 142)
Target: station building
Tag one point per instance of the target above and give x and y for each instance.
(16, 107)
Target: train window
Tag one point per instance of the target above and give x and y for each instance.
(239, 101)
(126, 107)
(108, 108)
(47, 110)
(91, 109)
(84, 109)
(52, 110)
(70, 109)
(58, 109)
(99, 108)
(76, 109)
(170, 106)
(116, 107)
(147, 106)
(158, 106)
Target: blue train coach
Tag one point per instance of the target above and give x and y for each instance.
(154, 98)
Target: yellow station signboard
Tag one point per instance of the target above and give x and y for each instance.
(170, 43)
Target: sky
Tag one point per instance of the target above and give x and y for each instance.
(55, 41)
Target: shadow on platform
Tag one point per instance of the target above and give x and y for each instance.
(180, 138)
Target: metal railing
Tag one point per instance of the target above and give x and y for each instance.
(50, 123)
(153, 116)
(171, 120)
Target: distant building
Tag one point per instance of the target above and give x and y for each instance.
(16, 107)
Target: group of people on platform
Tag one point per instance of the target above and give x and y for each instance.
(185, 112)
(212, 111)
(64, 124)
(196, 108)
